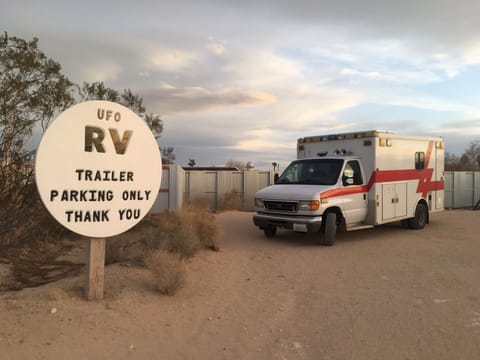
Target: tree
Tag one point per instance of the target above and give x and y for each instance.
(98, 91)
(168, 157)
(191, 162)
(471, 156)
(236, 164)
(468, 161)
(32, 91)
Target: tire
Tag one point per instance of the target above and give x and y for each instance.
(420, 219)
(330, 229)
(270, 231)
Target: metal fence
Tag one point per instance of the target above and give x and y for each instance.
(462, 189)
(218, 189)
(236, 189)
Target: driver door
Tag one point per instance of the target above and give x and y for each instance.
(355, 198)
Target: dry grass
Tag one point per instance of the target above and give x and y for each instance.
(203, 222)
(184, 231)
(168, 271)
(174, 237)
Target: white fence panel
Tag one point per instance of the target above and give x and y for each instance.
(462, 189)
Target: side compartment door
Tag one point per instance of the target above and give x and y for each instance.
(394, 200)
(355, 199)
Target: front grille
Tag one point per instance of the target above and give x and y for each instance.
(283, 206)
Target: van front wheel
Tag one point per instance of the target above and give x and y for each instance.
(329, 229)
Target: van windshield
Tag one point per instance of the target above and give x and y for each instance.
(312, 171)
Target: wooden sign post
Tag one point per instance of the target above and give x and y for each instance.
(95, 269)
(98, 171)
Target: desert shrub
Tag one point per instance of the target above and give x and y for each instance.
(203, 222)
(115, 251)
(174, 234)
(183, 231)
(168, 271)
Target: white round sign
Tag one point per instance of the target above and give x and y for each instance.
(98, 169)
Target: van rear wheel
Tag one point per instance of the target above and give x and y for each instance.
(330, 229)
(420, 219)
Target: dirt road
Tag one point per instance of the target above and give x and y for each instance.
(384, 293)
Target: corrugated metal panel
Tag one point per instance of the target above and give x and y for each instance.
(449, 189)
(264, 179)
(462, 189)
(165, 178)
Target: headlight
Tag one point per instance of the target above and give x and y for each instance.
(313, 205)
(259, 203)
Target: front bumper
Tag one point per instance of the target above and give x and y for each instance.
(309, 223)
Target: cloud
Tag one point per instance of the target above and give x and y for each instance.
(246, 79)
(461, 126)
(106, 71)
(169, 99)
(215, 46)
(353, 72)
(172, 59)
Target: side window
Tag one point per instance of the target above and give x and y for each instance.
(419, 160)
(352, 175)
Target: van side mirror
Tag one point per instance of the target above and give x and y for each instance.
(275, 178)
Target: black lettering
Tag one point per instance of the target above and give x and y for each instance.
(117, 117)
(100, 113)
(128, 214)
(103, 175)
(147, 193)
(87, 216)
(79, 173)
(100, 195)
(53, 194)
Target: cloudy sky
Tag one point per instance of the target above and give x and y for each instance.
(242, 80)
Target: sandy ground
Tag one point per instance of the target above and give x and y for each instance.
(384, 293)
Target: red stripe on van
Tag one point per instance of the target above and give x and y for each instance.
(424, 177)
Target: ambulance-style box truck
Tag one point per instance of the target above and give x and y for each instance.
(355, 181)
